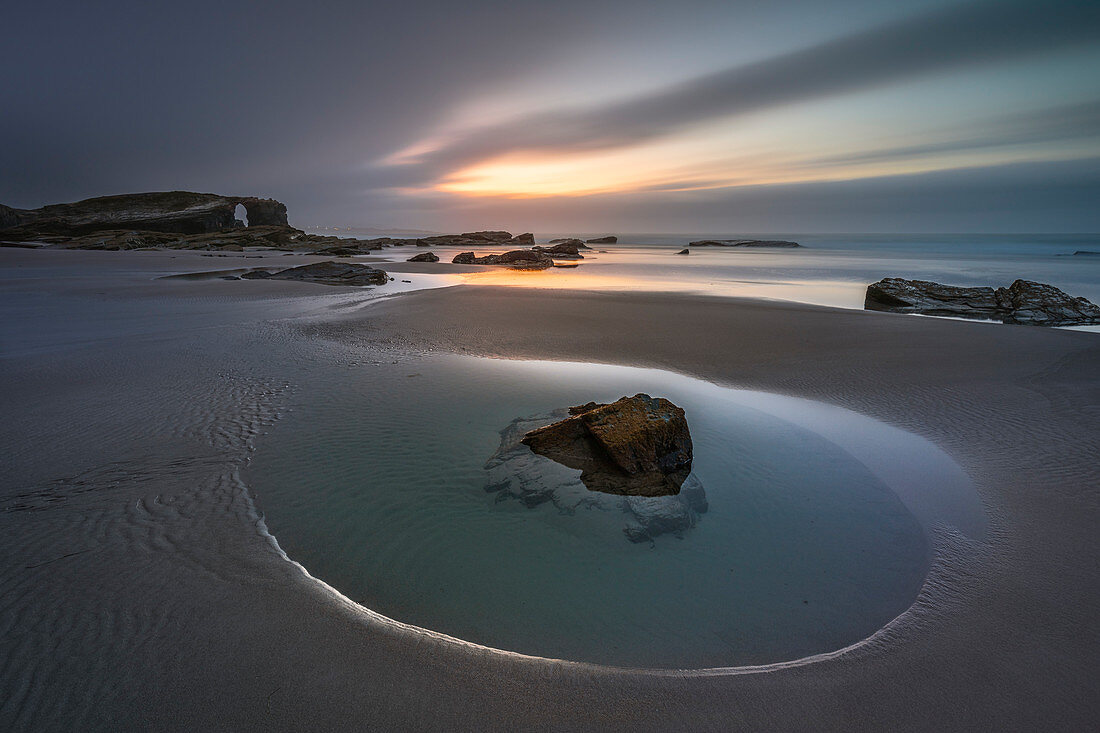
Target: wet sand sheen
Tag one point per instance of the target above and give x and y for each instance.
(140, 591)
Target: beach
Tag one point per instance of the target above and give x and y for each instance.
(143, 590)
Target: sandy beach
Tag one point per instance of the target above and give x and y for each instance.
(141, 589)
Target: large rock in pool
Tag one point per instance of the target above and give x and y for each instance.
(636, 446)
(516, 473)
(1023, 302)
(325, 273)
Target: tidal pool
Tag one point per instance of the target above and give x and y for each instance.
(816, 534)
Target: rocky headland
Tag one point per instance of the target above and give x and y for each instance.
(1023, 302)
(200, 221)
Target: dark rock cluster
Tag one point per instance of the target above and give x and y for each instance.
(563, 251)
(1023, 302)
(516, 259)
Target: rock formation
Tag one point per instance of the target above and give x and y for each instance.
(1023, 302)
(424, 257)
(743, 243)
(603, 240)
(472, 239)
(636, 446)
(562, 251)
(516, 259)
(684, 251)
(516, 473)
(570, 240)
(179, 212)
(325, 273)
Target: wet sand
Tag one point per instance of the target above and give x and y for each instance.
(140, 589)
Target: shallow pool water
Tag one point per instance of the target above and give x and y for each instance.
(375, 482)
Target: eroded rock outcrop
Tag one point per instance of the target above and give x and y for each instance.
(424, 257)
(603, 240)
(1023, 302)
(514, 472)
(179, 212)
(743, 243)
(636, 446)
(325, 273)
(579, 244)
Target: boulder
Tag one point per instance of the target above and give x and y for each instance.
(684, 251)
(516, 473)
(743, 243)
(463, 258)
(571, 242)
(326, 273)
(1023, 302)
(636, 446)
(424, 257)
(1038, 304)
(603, 240)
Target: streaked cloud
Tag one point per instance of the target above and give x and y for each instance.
(950, 39)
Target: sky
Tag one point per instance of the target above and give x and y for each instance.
(616, 116)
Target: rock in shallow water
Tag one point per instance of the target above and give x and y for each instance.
(743, 243)
(1023, 302)
(516, 259)
(325, 273)
(516, 473)
(424, 257)
(635, 446)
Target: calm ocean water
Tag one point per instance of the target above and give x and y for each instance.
(829, 269)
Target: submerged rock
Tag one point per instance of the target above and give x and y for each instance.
(516, 473)
(636, 446)
(603, 240)
(743, 243)
(424, 257)
(1023, 302)
(326, 273)
(684, 251)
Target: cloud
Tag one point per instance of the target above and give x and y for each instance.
(1069, 122)
(954, 38)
